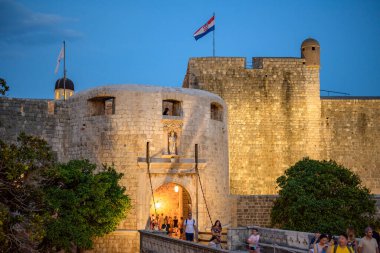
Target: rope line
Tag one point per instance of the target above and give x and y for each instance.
(204, 198)
(200, 182)
(150, 178)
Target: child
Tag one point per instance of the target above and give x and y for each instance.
(253, 242)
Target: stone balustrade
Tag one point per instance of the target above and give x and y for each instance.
(271, 240)
(158, 242)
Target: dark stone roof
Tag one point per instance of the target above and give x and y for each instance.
(310, 42)
(59, 84)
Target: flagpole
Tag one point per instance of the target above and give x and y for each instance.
(64, 70)
(213, 38)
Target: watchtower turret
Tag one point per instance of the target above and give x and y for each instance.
(310, 51)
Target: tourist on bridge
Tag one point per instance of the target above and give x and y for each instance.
(253, 241)
(352, 239)
(341, 246)
(322, 245)
(368, 244)
(190, 228)
(215, 242)
(216, 230)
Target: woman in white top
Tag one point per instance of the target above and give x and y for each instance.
(253, 241)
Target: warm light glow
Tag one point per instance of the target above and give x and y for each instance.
(158, 205)
(176, 188)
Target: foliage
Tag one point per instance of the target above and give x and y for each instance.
(45, 205)
(3, 86)
(86, 204)
(21, 199)
(322, 196)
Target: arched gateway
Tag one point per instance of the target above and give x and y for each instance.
(171, 200)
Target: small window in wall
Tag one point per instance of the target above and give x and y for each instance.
(101, 106)
(313, 48)
(216, 111)
(171, 107)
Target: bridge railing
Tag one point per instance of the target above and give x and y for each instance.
(157, 242)
(271, 240)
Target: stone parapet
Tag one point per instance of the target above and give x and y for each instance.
(285, 240)
(151, 242)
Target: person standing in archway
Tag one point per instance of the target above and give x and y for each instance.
(190, 228)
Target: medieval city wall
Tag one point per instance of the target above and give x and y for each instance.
(350, 130)
(43, 118)
(274, 115)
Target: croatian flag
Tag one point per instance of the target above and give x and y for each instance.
(205, 29)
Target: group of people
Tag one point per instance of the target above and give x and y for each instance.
(346, 242)
(185, 229)
(172, 226)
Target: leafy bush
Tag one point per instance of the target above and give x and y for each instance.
(322, 196)
(86, 204)
(45, 205)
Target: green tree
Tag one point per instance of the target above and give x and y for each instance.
(322, 196)
(86, 204)
(22, 209)
(3, 86)
(48, 206)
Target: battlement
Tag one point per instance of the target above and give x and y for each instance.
(241, 62)
(221, 67)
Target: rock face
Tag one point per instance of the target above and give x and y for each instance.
(112, 124)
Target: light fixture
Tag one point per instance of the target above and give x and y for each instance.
(176, 188)
(158, 205)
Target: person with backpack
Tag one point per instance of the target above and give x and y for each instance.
(341, 246)
(322, 245)
(190, 228)
(368, 244)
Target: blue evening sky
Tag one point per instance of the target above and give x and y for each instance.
(150, 42)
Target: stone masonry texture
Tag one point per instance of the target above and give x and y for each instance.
(77, 129)
(277, 117)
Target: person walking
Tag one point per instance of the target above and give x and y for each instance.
(341, 246)
(216, 230)
(253, 241)
(190, 228)
(322, 245)
(352, 239)
(368, 244)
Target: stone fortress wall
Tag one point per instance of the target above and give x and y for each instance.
(277, 117)
(112, 124)
(274, 115)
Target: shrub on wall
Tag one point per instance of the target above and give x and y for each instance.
(322, 196)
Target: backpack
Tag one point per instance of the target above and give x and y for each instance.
(349, 248)
(194, 224)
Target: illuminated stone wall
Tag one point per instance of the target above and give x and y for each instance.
(274, 115)
(112, 125)
(277, 117)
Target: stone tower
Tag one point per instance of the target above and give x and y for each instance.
(310, 51)
(274, 113)
(64, 88)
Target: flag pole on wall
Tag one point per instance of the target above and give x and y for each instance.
(206, 29)
(64, 70)
(213, 39)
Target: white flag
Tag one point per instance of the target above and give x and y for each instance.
(60, 57)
